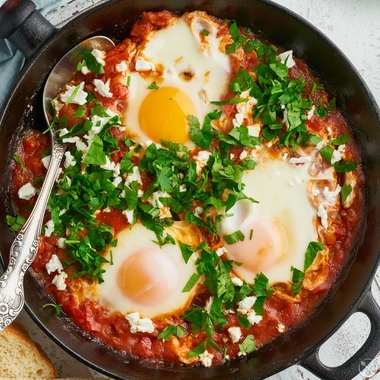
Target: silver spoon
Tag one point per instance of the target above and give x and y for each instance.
(24, 248)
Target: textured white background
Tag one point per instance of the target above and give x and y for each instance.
(354, 26)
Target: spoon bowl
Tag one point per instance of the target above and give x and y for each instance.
(24, 248)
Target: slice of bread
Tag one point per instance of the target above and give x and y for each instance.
(21, 357)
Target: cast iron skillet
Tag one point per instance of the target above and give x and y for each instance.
(43, 46)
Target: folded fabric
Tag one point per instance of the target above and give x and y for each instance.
(11, 60)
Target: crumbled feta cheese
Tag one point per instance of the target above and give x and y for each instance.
(311, 112)
(85, 70)
(59, 281)
(144, 65)
(206, 358)
(135, 176)
(139, 324)
(111, 166)
(61, 243)
(320, 145)
(103, 88)
(245, 305)
(315, 191)
(238, 120)
(198, 211)
(209, 303)
(254, 130)
(201, 160)
(129, 214)
(121, 67)
(99, 55)
(117, 181)
(300, 160)
(237, 281)
(221, 251)
(322, 213)
(287, 57)
(281, 328)
(46, 161)
(27, 191)
(154, 199)
(80, 97)
(235, 333)
(243, 155)
(182, 188)
(49, 228)
(331, 195)
(253, 318)
(69, 160)
(54, 264)
(336, 157)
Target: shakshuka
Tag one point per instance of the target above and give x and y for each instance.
(209, 196)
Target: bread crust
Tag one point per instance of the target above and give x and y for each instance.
(21, 357)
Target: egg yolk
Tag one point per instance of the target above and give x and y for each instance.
(148, 277)
(264, 244)
(163, 115)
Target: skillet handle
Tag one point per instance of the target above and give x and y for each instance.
(24, 26)
(356, 364)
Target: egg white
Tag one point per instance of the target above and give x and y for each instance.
(281, 191)
(164, 264)
(178, 59)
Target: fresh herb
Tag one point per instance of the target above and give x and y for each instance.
(298, 276)
(91, 62)
(57, 308)
(345, 192)
(18, 160)
(153, 86)
(15, 223)
(173, 330)
(248, 345)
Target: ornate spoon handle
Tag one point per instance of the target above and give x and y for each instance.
(24, 248)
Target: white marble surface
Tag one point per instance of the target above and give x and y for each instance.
(354, 26)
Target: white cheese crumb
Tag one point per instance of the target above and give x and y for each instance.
(254, 130)
(220, 251)
(27, 191)
(135, 176)
(201, 160)
(54, 264)
(243, 155)
(129, 214)
(206, 358)
(139, 324)
(287, 57)
(85, 70)
(320, 145)
(281, 328)
(336, 157)
(245, 305)
(237, 281)
(182, 188)
(311, 112)
(61, 243)
(331, 195)
(144, 65)
(59, 281)
(99, 55)
(69, 160)
(49, 228)
(80, 97)
(121, 67)
(198, 211)
(322, 213)
(315, 191)
(253, 318)
(103, 88)
(300, 160)
(46, 161)
(235, 333)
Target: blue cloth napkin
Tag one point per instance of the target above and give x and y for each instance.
(11, 60)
